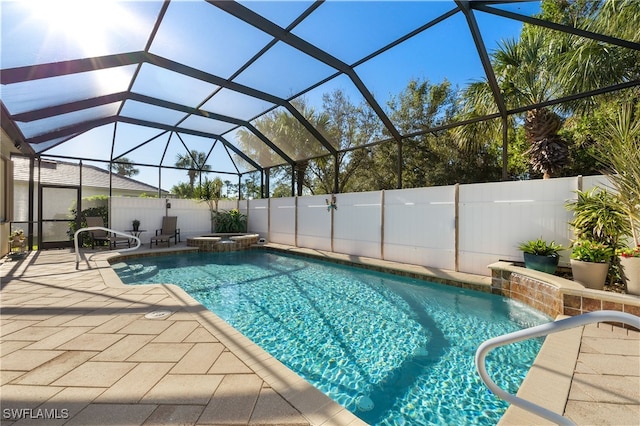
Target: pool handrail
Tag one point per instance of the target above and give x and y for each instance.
(101, 228)
(539, 331)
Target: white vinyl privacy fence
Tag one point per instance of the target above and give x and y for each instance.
(460, 227)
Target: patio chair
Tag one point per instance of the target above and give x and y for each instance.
(104, 236)
(168, 231)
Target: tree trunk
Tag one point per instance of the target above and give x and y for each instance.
(301, 169)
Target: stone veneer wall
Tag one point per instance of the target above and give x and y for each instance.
(554, 295)
(538, 294)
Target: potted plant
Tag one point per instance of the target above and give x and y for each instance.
(618, 152)
(17, 240)
(540, 255)
(630, 268)
(590, 263)
(599, 217)
(17, 235)
(136, 225)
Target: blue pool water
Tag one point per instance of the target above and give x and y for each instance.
(392, 350)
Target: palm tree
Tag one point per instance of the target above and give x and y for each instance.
(522, 68)
(182, 190)
(588, 64)
(289, 135)
(544, 65)
(194, 162)
(227, 184)
(301, 144)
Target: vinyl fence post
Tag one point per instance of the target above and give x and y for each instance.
(382, 224)
(268, 219)
(456, 225)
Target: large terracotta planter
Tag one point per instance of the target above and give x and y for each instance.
(631, 274)
(589, 274)
(542, 263)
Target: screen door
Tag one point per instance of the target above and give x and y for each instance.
(56, 212)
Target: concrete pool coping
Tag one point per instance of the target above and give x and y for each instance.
(59, 278)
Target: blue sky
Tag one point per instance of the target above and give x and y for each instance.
(348, 30)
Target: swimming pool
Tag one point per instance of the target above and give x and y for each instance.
(392, 350)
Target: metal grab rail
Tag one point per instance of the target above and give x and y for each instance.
(538, 331)
(100, 228)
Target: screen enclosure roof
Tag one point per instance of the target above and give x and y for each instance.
(153, 80)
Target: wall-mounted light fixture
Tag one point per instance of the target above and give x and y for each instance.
(331, 204)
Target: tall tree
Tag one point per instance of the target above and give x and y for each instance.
(433, 159)
(194, 161)
(349, 126)
(250, 188)
(210, 192)
(545, 64)
(227, 184)
(123, 167)
(301, 143)
(522, 68)
(588, 64)
(290, 136)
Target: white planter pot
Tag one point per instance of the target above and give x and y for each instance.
(589, 274)
(631, 274)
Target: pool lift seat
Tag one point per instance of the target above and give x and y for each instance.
(168, 231)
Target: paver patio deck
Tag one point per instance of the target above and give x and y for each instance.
(80, 349)
(81, 345)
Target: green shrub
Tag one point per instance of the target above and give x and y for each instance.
(231, 221)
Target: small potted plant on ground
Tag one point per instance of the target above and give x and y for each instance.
(136, 225)
(17, 240)
(630, 268)
(540, 255)
(590, 263)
